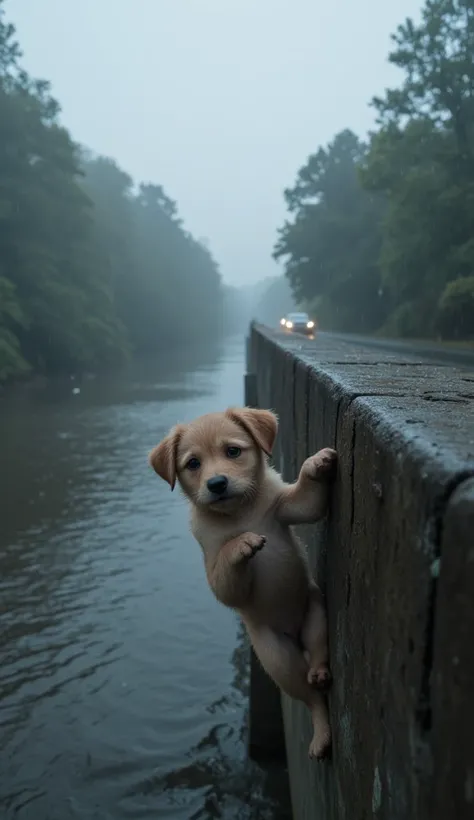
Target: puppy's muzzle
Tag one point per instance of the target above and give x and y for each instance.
(218, 484)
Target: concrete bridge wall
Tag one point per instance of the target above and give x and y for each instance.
(396, 561)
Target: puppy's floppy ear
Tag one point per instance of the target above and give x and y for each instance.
(261, 425)
(163, 457)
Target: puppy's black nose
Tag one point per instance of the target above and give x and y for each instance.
(217, 484)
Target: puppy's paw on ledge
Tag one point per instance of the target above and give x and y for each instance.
(321, 466)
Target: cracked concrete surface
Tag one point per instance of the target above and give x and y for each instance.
(396, 560)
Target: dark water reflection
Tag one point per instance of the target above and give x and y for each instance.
(123, 683)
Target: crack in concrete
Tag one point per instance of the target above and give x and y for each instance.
(447, 399)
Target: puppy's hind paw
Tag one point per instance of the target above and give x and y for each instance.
(251, 544)
(320, 677)
(320, 747)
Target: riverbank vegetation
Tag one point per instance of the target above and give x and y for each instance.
(92, 267)
(380, 233)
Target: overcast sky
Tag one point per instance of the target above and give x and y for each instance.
(220, 101)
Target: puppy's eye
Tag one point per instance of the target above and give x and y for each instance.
(193, 464)
(233, 452)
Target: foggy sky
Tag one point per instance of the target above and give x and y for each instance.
(221, 101)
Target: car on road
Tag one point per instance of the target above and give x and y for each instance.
(298, 323)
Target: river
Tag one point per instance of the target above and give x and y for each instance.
(123, 686)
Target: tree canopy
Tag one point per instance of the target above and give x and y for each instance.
(92, 268)
(380, 231)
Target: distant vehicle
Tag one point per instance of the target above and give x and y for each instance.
(298, 323)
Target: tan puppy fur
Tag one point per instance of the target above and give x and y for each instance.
(241, 515)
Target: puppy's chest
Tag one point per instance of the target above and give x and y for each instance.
(280, 575)
(280, 541)
(267, 525)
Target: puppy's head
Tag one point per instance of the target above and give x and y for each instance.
(218, 458)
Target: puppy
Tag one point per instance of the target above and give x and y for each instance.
(241, 515)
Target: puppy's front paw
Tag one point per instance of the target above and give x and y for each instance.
(250, 544)
(321, 466)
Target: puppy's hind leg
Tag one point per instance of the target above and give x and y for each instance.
(314, 638)
(284, 662)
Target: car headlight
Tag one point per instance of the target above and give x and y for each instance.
(289, 325)
(283, 322)
(310, 325)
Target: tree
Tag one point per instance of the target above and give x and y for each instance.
(46, 252)
(456, 309)
(12, 320)
(421, 159)
(380, 231)
(331, 246)
(166, 285)
(437, 58)
(177, 282)
(89, 269)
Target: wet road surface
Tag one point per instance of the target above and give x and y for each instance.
(458, 355)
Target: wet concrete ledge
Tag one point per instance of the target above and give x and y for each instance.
(396, 561)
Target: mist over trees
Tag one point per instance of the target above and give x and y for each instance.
(235, 313)
(273, 300)
(91, 268)
(380, 234)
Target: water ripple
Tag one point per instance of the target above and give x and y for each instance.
(124, 683)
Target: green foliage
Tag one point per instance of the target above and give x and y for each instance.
(379, 231)
(11, 319)
(332, 245)
(456, 310)
(89, 270)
